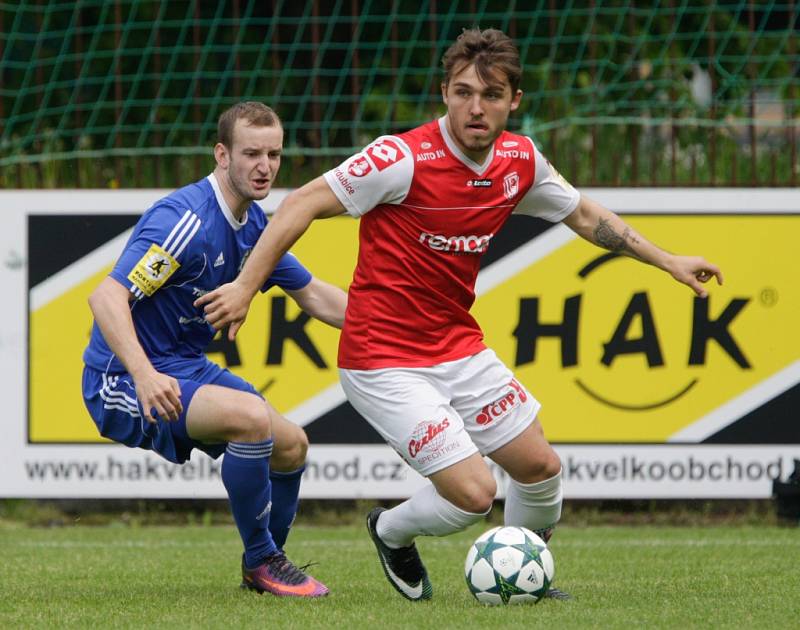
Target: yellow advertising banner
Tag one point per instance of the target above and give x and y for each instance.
(615, 350)
(289, 360)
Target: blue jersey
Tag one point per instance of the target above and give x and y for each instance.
(186, 245)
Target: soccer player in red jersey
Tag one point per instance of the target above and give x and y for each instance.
(411, 357)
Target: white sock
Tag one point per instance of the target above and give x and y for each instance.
(426, 513)
(536, 506)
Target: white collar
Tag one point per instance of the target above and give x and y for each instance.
(226, 211)
(451, 144)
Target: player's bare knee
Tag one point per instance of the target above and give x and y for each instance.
(552, 465)
(254, 423)
(541, 468)
(301, 448)
(475, 496)
(479, 502)
(290, 451)
(549, 466)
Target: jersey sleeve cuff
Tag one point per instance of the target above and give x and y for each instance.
(125, 282)
(341, 195)
(564, 212)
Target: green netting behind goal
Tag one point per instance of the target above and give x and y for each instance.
(677, 80)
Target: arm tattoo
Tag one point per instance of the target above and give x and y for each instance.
(606, 236)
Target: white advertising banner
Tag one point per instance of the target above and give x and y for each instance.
(647, 391)
(376, 471)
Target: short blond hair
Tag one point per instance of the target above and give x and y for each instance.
(255, 113)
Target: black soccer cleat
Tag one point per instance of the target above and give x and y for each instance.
(403, 567)
(546, 533)
(554, 593)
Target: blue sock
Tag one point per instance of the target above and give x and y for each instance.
(285, 497)
(245, 474)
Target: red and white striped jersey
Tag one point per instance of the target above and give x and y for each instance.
(428, 212)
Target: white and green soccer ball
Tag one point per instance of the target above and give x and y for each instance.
(509, 565)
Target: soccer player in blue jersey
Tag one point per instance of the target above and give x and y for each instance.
(146, 381)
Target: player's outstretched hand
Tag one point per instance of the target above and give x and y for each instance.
(159, 393)
(225, 305)
(694, 271)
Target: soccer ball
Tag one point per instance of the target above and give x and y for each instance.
(509, 565)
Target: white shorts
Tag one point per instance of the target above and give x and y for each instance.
(437, 416)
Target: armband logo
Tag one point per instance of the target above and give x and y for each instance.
(384, 154)
(153, 270)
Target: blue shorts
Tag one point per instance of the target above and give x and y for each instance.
(112, 403)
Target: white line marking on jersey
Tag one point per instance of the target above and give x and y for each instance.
(184, 218)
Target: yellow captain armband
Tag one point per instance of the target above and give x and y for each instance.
(153, 270)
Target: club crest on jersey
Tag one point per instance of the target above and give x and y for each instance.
(359, 166)
(511, 185)
(384, 154)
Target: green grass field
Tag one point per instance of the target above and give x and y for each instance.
(625, 576)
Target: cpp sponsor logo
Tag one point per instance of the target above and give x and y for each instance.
(344, 181)
(513, 398)
(468, 244)
(384, 154)
(359, 166)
